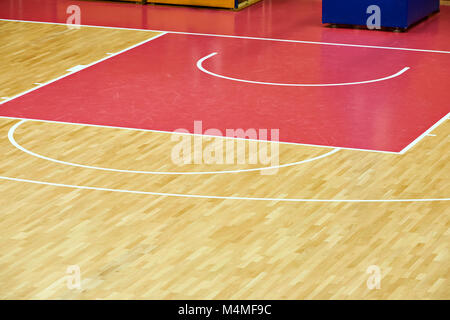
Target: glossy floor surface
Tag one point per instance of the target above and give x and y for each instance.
(112, 202)
(313, 94)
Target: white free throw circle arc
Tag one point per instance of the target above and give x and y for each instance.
(18, 146)
(201, 68)
(198, 196)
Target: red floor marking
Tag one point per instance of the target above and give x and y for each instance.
(158, 86)
(287, 19)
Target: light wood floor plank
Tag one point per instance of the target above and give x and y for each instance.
(131, 246)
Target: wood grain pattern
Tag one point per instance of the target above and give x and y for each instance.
(37, 53)
(209, 3)
(230, 4)
(131, 246)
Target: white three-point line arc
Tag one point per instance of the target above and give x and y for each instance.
(200, 66)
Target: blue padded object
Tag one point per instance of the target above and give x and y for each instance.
(394, 13)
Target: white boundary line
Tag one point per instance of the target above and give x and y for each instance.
(76, 69)
(110, 55)
(196, 134)
(201, 68)
(247, 37)
(221, 197)
(211, 35)
(18, 146)
(197, 196)
(423, 135)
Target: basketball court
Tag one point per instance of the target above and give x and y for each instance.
(90, 116)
